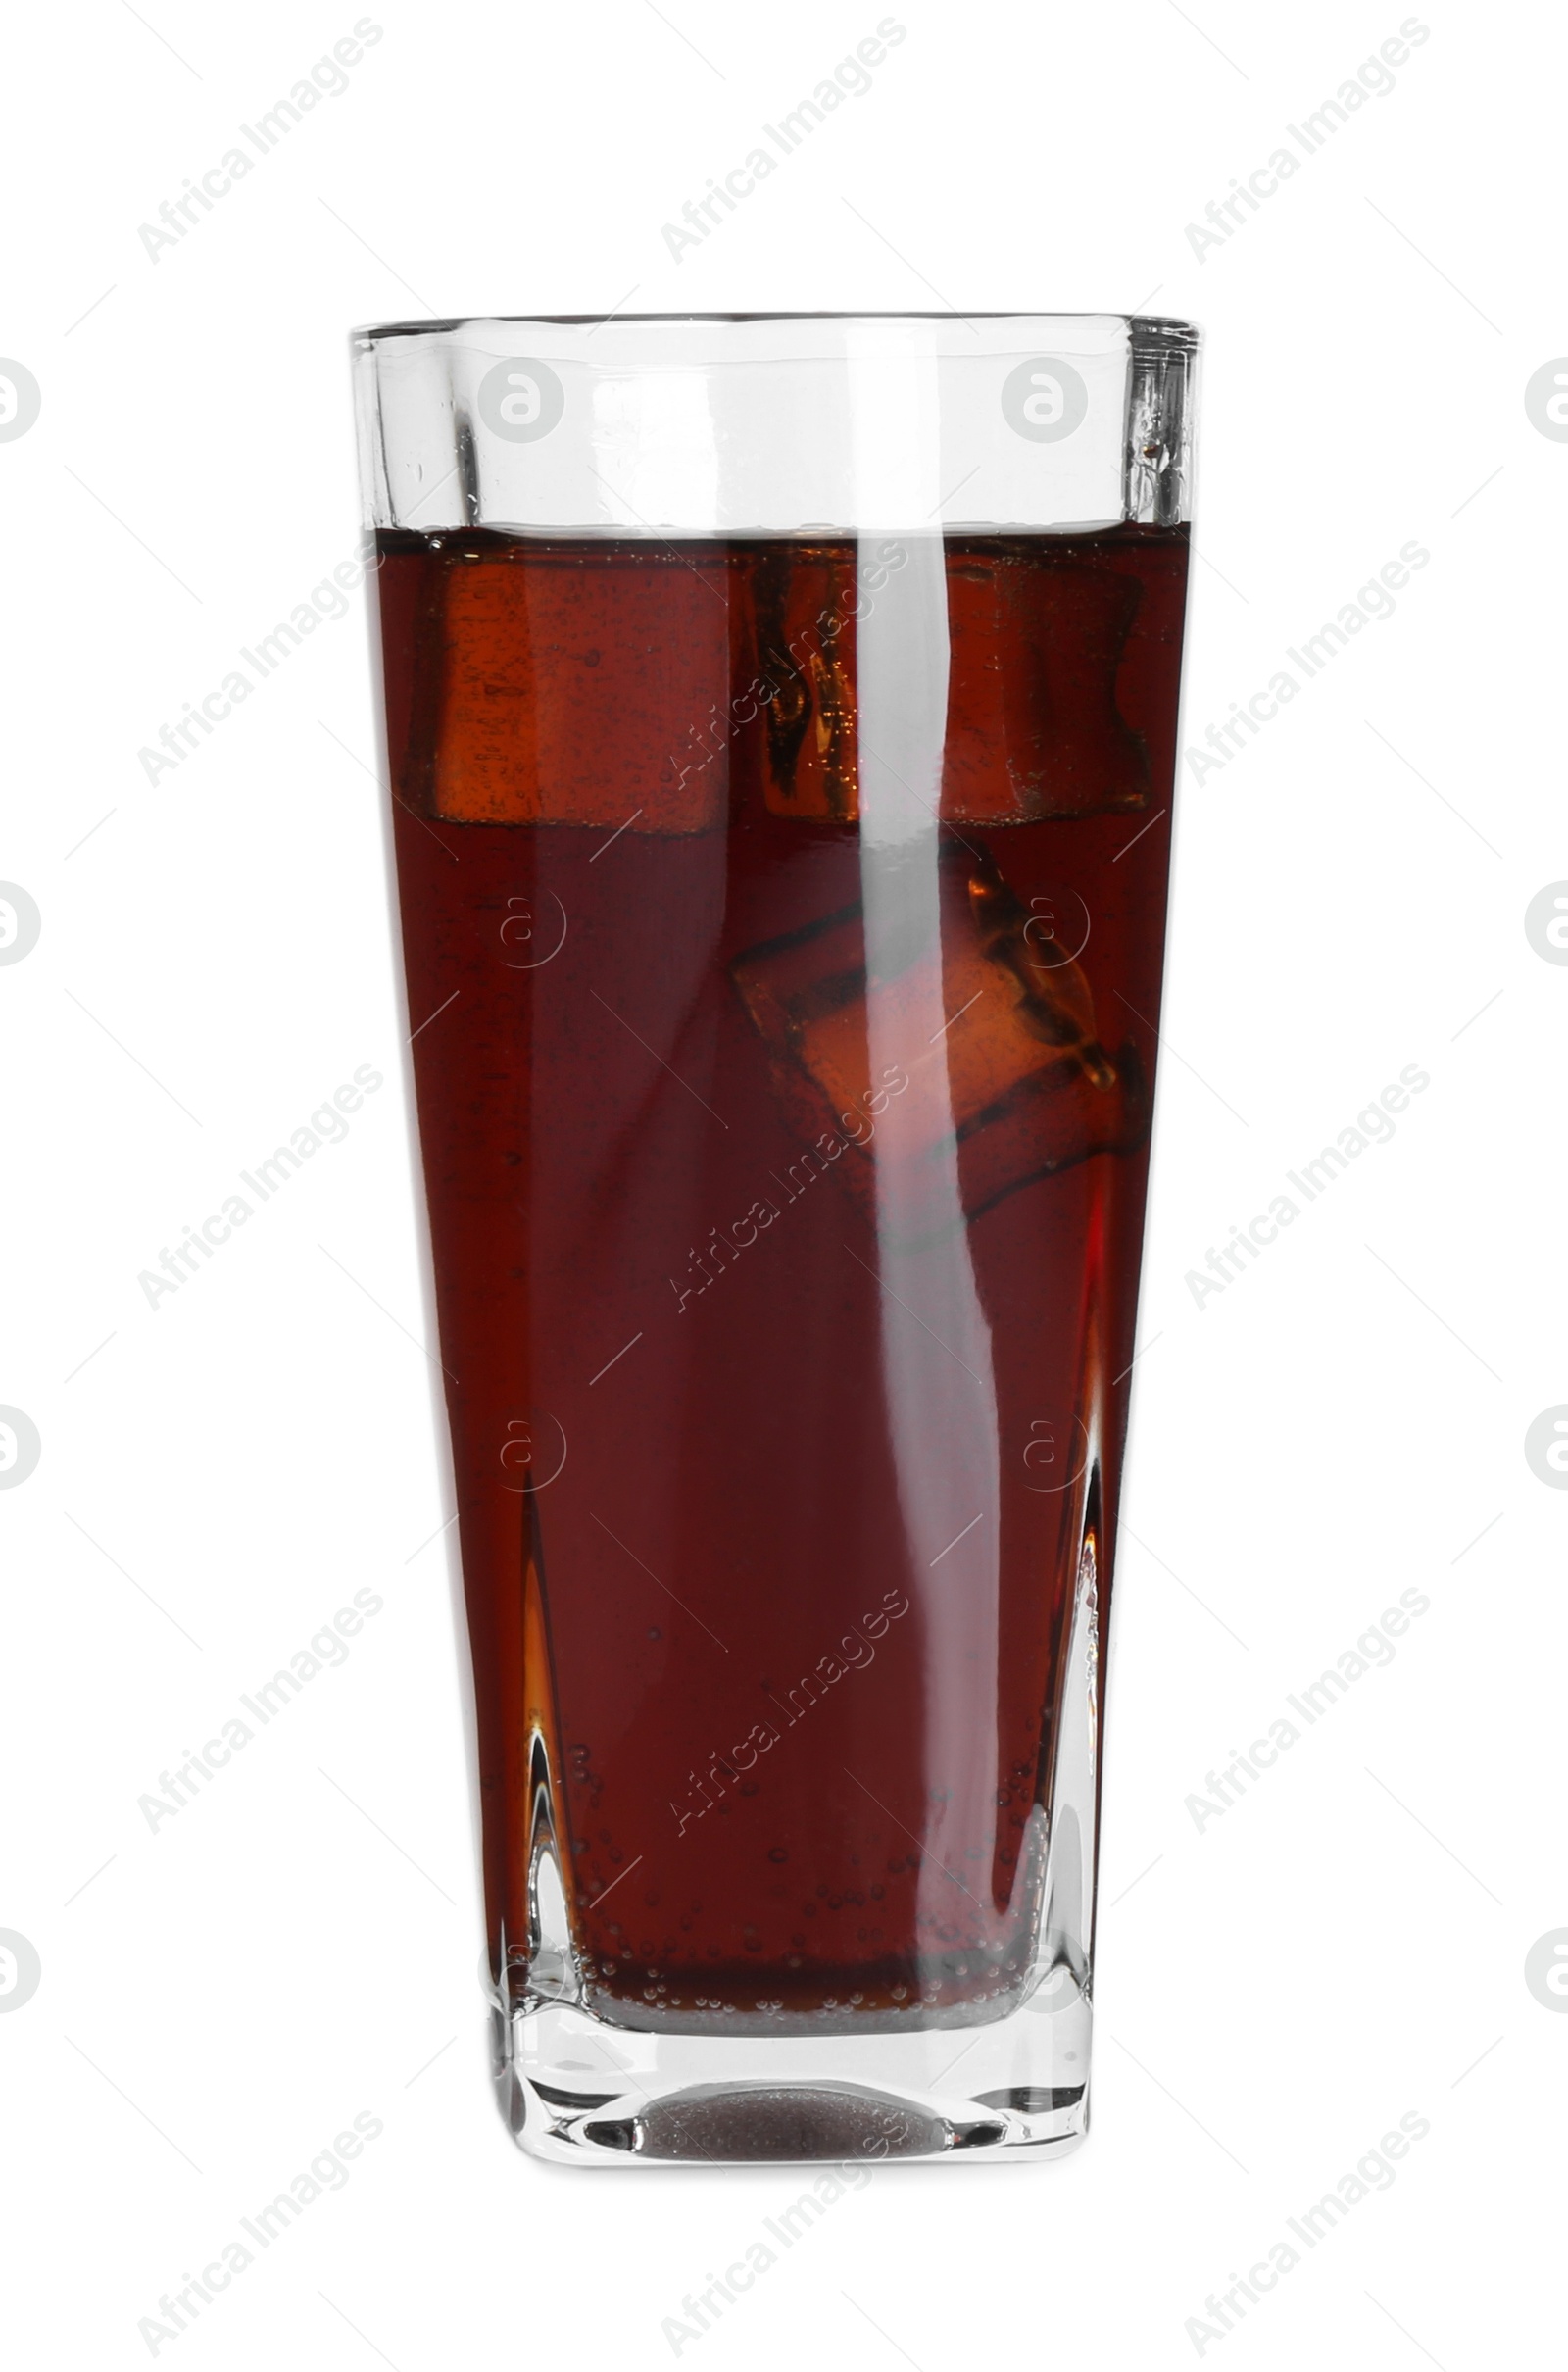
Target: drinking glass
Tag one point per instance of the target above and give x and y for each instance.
(781, 723)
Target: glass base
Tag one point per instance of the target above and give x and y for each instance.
(988, 2079)
(578, 2091)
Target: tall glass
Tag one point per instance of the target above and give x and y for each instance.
(781, 730)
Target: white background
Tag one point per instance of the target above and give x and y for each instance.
(1342, 1946)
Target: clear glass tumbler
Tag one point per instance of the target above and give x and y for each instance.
(781, 727)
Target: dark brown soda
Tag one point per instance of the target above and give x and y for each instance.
(730, 1327)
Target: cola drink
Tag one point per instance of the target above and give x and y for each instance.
(784, 1128)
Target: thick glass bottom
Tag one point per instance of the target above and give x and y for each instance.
(580, 2092)
(1005, 2074)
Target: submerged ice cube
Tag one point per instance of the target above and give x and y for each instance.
(579, 688)
(805, 603)
(939, 1075)
(644, 684)
(1036, 642)
(1033, 723)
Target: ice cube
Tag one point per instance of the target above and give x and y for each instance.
(805, 602)
(582, 688)
(1014, 1077)
(1033, 725)
(1033, 729)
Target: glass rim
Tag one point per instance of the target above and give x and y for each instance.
(1169, 330)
